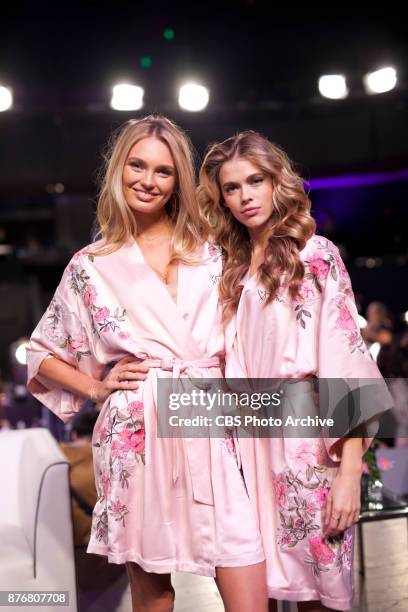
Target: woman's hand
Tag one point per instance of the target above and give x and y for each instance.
(123, 375)
(343, 502)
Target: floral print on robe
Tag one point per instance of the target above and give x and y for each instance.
(288, 479)
(168, 504)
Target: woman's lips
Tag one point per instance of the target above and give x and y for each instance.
(145, 196)
(251, 212)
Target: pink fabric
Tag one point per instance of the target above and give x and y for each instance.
(190, 516)
(288, 478)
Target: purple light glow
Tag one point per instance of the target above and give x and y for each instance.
(358, 180)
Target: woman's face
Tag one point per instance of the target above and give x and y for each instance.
(149, 176)
(247, 192)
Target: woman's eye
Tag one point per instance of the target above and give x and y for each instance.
(135, 164)
(165, 172)
(257, 179)
(230, 188)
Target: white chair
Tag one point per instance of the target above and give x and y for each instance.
(36, 539)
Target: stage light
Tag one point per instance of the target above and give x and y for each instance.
(18, 351)
(374, 350)
(146, 61)
(405, 316)
(193, 97)
(370, 262)
(380, 81)
(126, 97)
(333, 86)
(169, 34)
(6, 98)
(362, 322)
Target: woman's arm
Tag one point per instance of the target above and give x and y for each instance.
(343, 500)
(356, 393)
(123, 375)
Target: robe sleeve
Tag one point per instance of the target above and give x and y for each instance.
(65, 331)
(351, 389)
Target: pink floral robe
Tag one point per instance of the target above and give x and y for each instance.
(167, 504)
(288, 479)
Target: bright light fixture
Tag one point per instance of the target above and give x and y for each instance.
(6, 98)
(126, 97)
(20, 352)
(333, 86)
(193, 97)
(380, 81)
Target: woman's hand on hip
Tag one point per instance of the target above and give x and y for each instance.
(125, 375)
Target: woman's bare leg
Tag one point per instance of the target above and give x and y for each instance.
(243, 589)
(312, 606)
(150, 592)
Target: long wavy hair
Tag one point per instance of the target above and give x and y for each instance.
(116, 223)
(290, 225)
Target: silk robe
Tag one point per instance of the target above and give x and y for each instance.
(288, 478)
(168, 504)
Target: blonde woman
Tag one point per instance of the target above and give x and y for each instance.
(145, 291)
(290, 314)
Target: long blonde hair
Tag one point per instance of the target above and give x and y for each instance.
(290, 224)
(116, 223)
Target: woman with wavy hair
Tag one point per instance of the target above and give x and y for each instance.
(290, 317)
(143, 297)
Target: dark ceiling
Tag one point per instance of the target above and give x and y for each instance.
(260, 62)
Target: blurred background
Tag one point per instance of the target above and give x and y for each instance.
(329, 86)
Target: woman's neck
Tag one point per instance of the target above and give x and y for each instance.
(259, 239)
(149, 227)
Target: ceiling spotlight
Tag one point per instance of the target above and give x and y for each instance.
(146, 61)
(6, 98)
(193, 97)
(380, 81)
(333, 86)
(169, 34)
(126, 97)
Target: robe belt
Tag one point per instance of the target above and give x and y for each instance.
(179, 366)
(197, 450)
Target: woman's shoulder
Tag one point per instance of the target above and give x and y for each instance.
(319, 247)
(98, 251)
(323, 262)
(87, 252)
